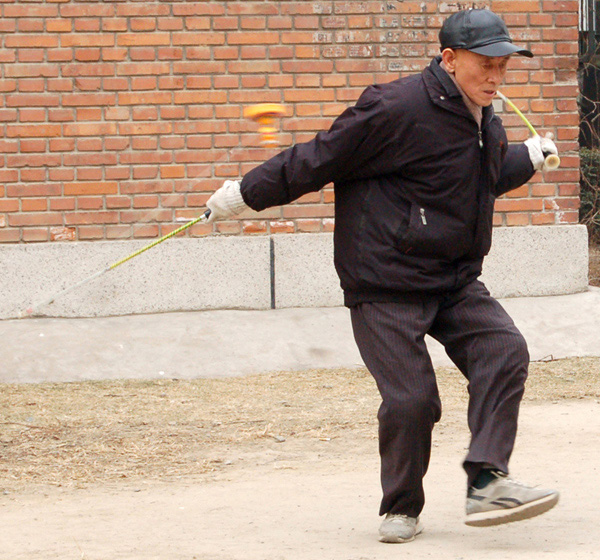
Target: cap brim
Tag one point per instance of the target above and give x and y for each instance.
(503, 48)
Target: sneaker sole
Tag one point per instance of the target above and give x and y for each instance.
(399, 540)
(500, 516)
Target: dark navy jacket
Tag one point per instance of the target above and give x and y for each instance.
(415, 182)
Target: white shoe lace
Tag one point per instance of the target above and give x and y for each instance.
(399, 518)
(513, 481)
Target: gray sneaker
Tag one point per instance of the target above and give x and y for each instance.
(504, 500)
(398, 528)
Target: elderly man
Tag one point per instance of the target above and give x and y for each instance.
(416, 165)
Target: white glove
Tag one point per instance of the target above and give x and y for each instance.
(226, 202)
(539, 148)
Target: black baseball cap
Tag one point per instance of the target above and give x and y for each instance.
(479, 31)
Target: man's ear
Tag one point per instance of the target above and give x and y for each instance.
(449, 58)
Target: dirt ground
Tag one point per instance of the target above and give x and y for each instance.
(272, 467)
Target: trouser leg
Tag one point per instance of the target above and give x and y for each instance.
(390, 337)
(487, 347)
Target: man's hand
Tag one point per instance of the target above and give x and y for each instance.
(226, 202)
(539, 148)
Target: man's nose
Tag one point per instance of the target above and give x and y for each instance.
(496, 76)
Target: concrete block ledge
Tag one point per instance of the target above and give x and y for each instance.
(280, 271)
(523, 261)
(537, 261)
(178, 275)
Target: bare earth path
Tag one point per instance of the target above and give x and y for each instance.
(273, 467)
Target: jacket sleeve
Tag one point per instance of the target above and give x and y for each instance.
(516, 169)
(338, 154)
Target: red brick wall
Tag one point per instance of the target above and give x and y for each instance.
(117, 119)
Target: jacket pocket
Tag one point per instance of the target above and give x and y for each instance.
(429, 233)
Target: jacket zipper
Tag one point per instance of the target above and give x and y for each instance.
(423, 218)
(480, 139)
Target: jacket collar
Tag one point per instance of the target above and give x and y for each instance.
(445, 94)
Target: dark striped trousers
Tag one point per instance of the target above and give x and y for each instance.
(483, 342)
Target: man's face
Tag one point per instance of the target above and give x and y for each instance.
(479, 76)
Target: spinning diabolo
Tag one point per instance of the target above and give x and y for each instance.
(265, 114)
